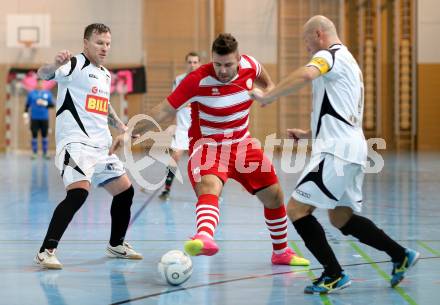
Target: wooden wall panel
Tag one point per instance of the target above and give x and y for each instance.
(3, 75)
(294, 110)
(428, 115)
(219, 17)
(264, 120)
(381, 36)
(174, 27)
(387, 76)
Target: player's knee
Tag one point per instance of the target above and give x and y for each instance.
(334, 221)
(78, 195)
(272, 196)
(209, 185)
(75, 198)
(339, 217)
(125, 196)
(297, 210)
(122, 201)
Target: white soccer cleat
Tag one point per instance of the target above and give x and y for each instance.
(123, 251)
(47, 259)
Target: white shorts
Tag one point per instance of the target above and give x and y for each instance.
(328, 182)
(80, 162)
(180, 140)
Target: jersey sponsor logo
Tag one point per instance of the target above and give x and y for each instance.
(196, 171)
(215, 91)
(42, 102)
(301, 193)
(93, 76)
(100, 91)
(249, 83)
(97, 104)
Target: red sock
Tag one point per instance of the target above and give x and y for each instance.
(276, 221)
(207, 214)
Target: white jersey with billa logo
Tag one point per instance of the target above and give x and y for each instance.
(82, 104)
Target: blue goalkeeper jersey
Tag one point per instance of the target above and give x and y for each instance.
(39, 101)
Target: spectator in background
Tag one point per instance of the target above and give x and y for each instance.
(38, 101)
(180, 142)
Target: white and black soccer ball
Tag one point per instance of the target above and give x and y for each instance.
(175, 267)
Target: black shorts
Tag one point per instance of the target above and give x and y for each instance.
(37, 125)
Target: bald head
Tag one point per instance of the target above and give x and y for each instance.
(319, 33)
(321, 23)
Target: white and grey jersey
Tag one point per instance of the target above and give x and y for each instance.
(179, 78)
(338, 102)
(183, 115)
(82, 104)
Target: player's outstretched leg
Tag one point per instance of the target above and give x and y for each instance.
(326, 284)
(207, 214)
(333, 278)
(276, 221)
(61, 218)
(120, 213)
(368, 233)
(401, 268)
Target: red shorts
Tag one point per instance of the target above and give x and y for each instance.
(244, 162)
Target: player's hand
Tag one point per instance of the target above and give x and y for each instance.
(118, 142)
(25, 118)
(62, 58)
(298, 134)
(133, 135)
(258, 95)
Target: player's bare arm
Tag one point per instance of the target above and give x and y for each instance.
(292, 83)
(162, 112)
(264, 81)
(47, 71)
(114, 121)
(297, 134)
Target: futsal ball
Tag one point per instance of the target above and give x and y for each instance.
(175, 267)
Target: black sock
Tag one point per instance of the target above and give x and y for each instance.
(170, 178)
(120, 212)
(368, 233)
(315, 240)
(62, 216)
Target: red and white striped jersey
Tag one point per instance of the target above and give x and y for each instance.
(219, 111)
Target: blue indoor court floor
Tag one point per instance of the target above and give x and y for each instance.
(403, 200)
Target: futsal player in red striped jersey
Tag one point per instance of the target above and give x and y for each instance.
(221, 146)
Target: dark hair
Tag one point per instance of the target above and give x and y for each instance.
(193, 54)
(224, 44)
(95, 27)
